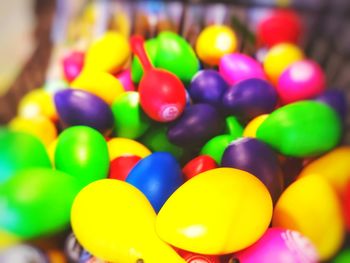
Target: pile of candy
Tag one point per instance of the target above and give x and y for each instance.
(210, 155)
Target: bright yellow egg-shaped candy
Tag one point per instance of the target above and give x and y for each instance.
(40, 126)
(37, 102)
(108, 53)
(279, 57)
(102, 84)
(334, 166)
(214, 42)
(253, 125)
(217, 212)
(123, 146)
(8, 239)
(310, 206)
(114, 221)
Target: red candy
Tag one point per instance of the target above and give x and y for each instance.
(162, 94)
(280, 26)
(346, 206)
(73, 64)
(121, 166)
(198, 165)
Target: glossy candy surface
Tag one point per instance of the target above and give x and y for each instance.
(311, 207)
(82, 152)
(300, 81)
(130, 121)
(214, 42)
(198, 124)
(72, 64)
(252, 126)
(278, 58)
(162, 94)
(207, 86)
(125, 79)
(78, 107)
(207, 222)
(301, 129)
(216, 146)
(257, 158)
(121, 166)
(125, 238)
(123, 147)
(237, 67)
(279, 245)
(249, 98)
(198, 165)
(336, 99)
(157, 176)
(20, 151)
(109, 53)
(34, 203)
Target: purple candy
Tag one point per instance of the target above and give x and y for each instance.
(336, 99)
(255, 157)
(249, 98)
(78, 107)
(196, 126)
(207, 86)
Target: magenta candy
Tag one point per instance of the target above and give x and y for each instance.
(72, 65)
(236, 67)
(125, 78)
(300, 81)
(279, 245)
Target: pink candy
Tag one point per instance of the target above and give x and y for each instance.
(73, 64)
(279, 245)
(125, 78)
(302, 80)
(236, 67)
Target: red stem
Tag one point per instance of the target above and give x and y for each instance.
(138, 48)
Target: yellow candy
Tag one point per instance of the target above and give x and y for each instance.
(217, 212)
(7, 239)
(279, 57)
(333, 166)
(36, 103)
(40, 126)
(123, 146)
(311, 206)
(51, 149)
(115, 222)
(253, 125)
(214, 42)
(109, 53)
(102, 84)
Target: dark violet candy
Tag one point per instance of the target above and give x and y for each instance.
(336, 99)
(196, 126)
(207, 86)
(78, 107)
(249, 98)
(255, 157)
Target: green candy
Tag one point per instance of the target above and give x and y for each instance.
(136, 68)
(36, 202)
(175, 54)
(234, 127)
(157, 141)
(301, 129)
(171, 52)
(216, 146)
(82, 152)
(130, 121)
(342, 257)
(19, 151)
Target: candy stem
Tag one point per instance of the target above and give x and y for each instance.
(138, 48)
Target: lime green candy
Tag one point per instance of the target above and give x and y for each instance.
(36, 202)
(19, 151)
(234, 127)
(171, 52)
(156, 140)
(342, 257)
(82, 152)
(130, 121)
(301, 129)
(136, 68)
(216, 146)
